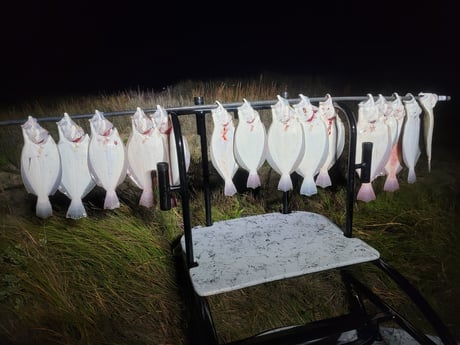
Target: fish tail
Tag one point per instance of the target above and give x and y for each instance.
(366, 192)
(323, 180)
(229, 188)
(308, 186)
(43, 207)
(285, 183)
(76, 209)
(253, 180)
(111, 200)
(411, 178)
(146, 199)
(391, 183)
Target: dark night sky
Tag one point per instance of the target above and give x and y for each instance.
(65, 47)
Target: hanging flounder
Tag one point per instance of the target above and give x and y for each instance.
(221, 149)
(385, 115)
(372, 128)
(393, 165)
(285, 142)
(144, 149)
(428, 101)
(40, 165)
(163, 123)
(316, 144)
(336, 140)
(250, 146)
(411, 136)
(76, 181)
(106, 158)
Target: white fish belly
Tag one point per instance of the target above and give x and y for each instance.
(41, 168)
(76, 180)
(316, 149)
(380, 137)
(250, 146)
(285, 147)
(106, 156)
(143, 153)
(410, 144)
(222, 156)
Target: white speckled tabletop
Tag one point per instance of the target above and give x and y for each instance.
(247, 251)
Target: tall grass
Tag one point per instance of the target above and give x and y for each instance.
(110, 278)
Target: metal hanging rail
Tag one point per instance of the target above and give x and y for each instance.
(208, 107)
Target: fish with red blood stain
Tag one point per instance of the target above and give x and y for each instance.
(371, 128)
(336, 140)
(316, 144)
(106, 158)
(393, 166)
(40, 165)
(144, 149)
(221, 147)
(250, 142)
(164, 125)
(76, 181)
(285, 142)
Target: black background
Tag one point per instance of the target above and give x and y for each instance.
(83, 47)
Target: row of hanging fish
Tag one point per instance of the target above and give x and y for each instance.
(79, 162)
(301, 138)
(394, 129)
(309, 140)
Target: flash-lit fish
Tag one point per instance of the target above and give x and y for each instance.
(163, 123)
(316, 144)
(144, 149)
(221, 149)
(250, 146)
(40, 165)
(393, 165)
(285, 142)
(106, 158)
(336, 140)
(411, 136)
(371, 128)
(428, 102)
(76, 181)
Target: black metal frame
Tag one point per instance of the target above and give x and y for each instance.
(323, 331)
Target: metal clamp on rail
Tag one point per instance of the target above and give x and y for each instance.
(366, 161)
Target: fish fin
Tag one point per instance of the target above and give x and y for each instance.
(111, 200)
(285, 183)
(253, 180)
(308, 186)
(411, 178)
(76, 209)
(366, 192)
(323, 180)
(146, 199)
(43, 207)
(229, 188)
(391, 184)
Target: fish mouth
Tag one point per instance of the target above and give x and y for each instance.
(77, 140)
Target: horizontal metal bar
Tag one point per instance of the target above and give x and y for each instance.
(208, 107)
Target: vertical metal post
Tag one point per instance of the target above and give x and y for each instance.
(351, 169)
(286, 210)
(184, 190)
(201, 130)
